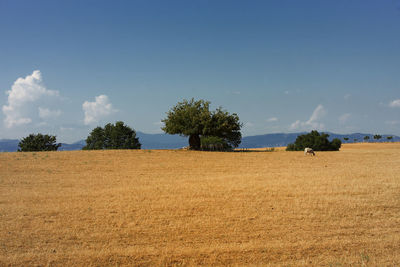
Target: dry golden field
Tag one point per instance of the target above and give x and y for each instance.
(110, 208)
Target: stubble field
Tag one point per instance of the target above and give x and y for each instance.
(110, 208)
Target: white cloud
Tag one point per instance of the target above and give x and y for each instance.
(42, 124)
(272, 119)
(95, 111)
(313, 122)
(64, 129)
(24, 91)
(295, 125)
(344, 117)
(395, 103)
(318, 113)
(392, 122)
(46, 113)
(249, 124)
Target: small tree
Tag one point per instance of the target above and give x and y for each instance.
(389, 137)
(194, 119)
(377, 137)
(345, 138)
(355, 139)
(38, 142)
(316, 141)
(366, 138)
(112, 136)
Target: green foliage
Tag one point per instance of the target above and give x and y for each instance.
(316, 141)
(291, 147)
(366, 138)
(225, 126)
(38, 142)
(377, 136)
(345, 138)
(187, 118)
(112, 136)
(95, 140)
(389, 137)
(194, 119)
(335, 145)
(214, 143)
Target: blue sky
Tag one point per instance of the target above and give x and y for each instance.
(282, 66)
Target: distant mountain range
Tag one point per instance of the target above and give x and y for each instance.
(283, 139)
(166, 141)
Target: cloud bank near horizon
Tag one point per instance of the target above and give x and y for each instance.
(31, 107)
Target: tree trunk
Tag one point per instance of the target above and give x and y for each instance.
(194, 141)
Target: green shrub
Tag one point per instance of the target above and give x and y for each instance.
(38, 142)
(316, 141)
(112, 136)
(291, 147)
(336, 144)
(377, 136)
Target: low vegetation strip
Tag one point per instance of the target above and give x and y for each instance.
(173, 207)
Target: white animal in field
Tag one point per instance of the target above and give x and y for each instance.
(309, 150)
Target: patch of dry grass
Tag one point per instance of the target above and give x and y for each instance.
(97, 208)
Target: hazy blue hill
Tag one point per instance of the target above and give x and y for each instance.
(359, 137)
(166, 141)
(8, 145)
(74, 146)
(283, 139)
(268, 140)
(148, 141)
(161, 141)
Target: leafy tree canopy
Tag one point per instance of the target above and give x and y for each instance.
(194, 119)
(112, 136)
(316, 141)
(226, 126)
(38, 142)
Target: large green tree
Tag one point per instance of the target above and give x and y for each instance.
(112, 136)
(38, 142)
(194, 119)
